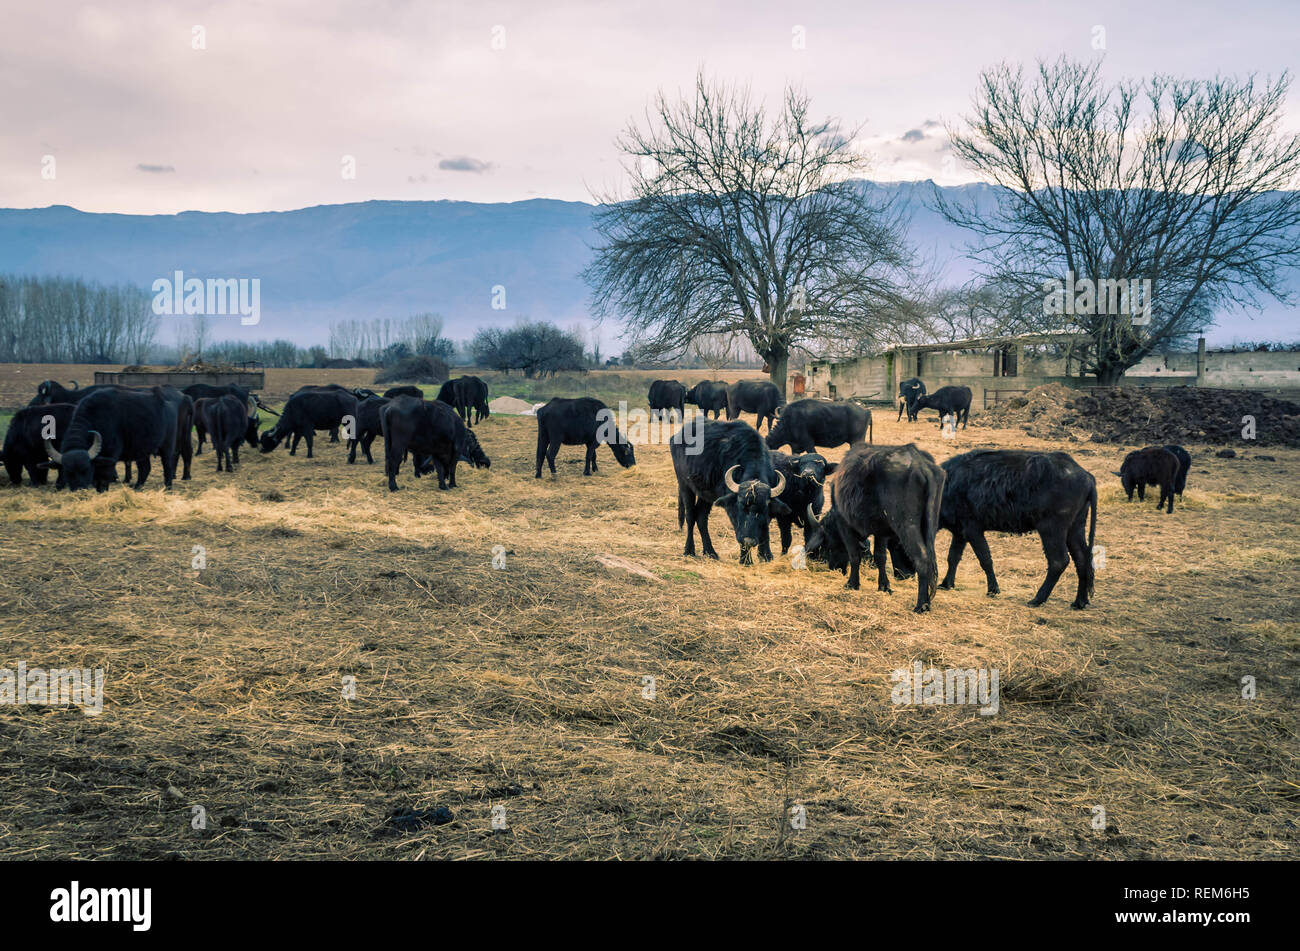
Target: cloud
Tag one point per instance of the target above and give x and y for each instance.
(463, 163)
(155, 169)
(930, 124)
(914, 135)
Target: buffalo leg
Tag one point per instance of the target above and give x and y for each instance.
(366, 442)
(1142, 492)
(955, 550)
(334, 437)
(1058, 559)
(393, 461)
(552, 451)
(702, 510)
(310, 437)
(980, 546)
(911, 545)
(590, 459)
(142, 466)
(1077, 543)
(293, 448)
(784, 525)
(541, 451)
(686, 502)
(880, 554)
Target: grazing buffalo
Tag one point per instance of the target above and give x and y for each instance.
(585, 421)
(370, 425)
(24, 445)
(728, 464)
(226, 419)
(307, 411)
(761, 397)
(1184, 466)
(709, 396)
(428, 430)
(807, 424)
(405, 389)
(892, 493)
(1008, 490)
(909, 391)
(666, 396)
(1154, 465)
(118, 424)
(805, 475)
(946, 399)
(465, 394)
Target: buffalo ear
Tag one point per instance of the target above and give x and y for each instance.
(831, 467)
(777, 507)
(725, 499)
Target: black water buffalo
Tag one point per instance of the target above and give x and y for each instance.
(666, 396)
(727, 464)
(807, 424)
(908, 392)
(1184, 466)
(183, 407)
(709, 396)
(359, 392)
(51, 391)
(431, 430)
(805, 475)
(118, 424)
(226, 419)
(466, 394)
(405, 389)
(370, 425)
(1154, 465)
(584, 421)
(307, 411)
(1009, 490)
(761, 397)
(24, 445)
(251, 420)
(946, 399)
(892, 493)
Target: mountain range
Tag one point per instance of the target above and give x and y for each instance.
(397, 258)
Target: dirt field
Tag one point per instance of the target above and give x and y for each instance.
(522, 688)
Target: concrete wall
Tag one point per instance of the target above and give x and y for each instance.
(874, 375)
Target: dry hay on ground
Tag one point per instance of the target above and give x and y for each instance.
(523, 687)
(1147, 416)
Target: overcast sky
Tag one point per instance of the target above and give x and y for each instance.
(138, 120)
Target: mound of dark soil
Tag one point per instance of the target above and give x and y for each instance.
(1133, 416)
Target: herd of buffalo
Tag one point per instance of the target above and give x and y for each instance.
(886, 503)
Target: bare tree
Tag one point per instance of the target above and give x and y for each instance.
(715, 351)
(748, 223)
(1186, 184)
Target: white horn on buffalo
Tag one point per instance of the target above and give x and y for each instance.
(780, 484)
(96, 445)
(54, 454)
(730, 480)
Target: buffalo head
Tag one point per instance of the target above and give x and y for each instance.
(751, 505)
(76, 465)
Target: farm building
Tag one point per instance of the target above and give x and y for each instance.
(997, 368)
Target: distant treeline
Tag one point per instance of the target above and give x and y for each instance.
(69, 320)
